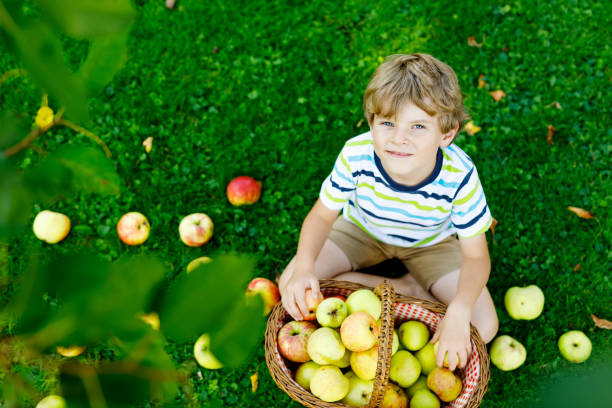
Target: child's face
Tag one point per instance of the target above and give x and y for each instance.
(407, 145)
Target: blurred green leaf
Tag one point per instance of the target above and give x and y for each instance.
(196, 301)
(71, 169)
(90, 18)
(239, 332)
(106, 56)
(42, 55)
(13, 128)
(15, 202)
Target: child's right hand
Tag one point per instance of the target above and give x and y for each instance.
(293, 293)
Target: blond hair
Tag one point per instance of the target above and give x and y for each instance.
(420, 79)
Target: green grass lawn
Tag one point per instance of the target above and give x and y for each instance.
(274, 89)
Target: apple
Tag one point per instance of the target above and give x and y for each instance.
(50, 226)
(243, 190)
(444, 383)
(331, 312)
(427, 358)
(364, 300)
(133, 228)
(293, 340)
(413, 334)
(202, 354)
(424, 398)
(575, 346)
(267, 290)
(420, 384)
(312, 302)
(363, 363)
(405, 368)
(71, 351)
(197, 262)
(344, 361)
(329, 384)
(445, 362)
(325, 346)
(507, 353)
(524, 303)
(360, 391)
(52, 401)
(394, 397)
(304, 373)
(342, 298)
(359, 331)
(196, 229)
(152, 319)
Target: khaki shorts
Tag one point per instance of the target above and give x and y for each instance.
(425, 264)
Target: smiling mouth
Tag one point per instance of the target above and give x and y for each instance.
(397, 154)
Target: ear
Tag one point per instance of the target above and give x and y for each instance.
(449, 136)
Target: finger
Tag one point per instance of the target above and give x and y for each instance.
(287, 305)
(435, 337)
(301, 303)
(440, 355)
(452, 360)
(462, 358)
(314, 285)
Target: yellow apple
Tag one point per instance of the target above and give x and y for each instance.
(325, 346)
(364, 300)
(363, 363)
(359, 331)
(329, 384)
(71, 351)
(197, 262)
(575, 346)
(196, 229)
(133, 228)
(50, 226)
(524, 303)
(360, 391)
(444, 383)
(394, 397)
(51, 401)
(507, 353)
(305, 372)
(202, 354)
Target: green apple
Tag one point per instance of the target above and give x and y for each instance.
(344, 362)
(405, 368)
(325, 346)
(427, 358)
(575, 346)
(524, 303)
(444, 383)
(331, 312)
(359, 331)
(329, 384)
(413, 334)
(507, 353)
(394, 397)
(51, 401)
(304, 373)
(364, 300)
(424, 398)
(50, 226)
(363, 363)
(420, 384)
(360, 391)
(202, 354)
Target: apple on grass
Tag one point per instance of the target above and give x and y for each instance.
(394, 397)
(312, 302)
(196, 229)
(405, 368)
(329, 384)
(71, 351)
(575, 346)
(360, 391)
(524, 303)
(331, 312)
(507, 353)
(413, 334)
(304, 373)
(267, 290)
(364, 300)
(52, 401)
(423, 398)
(50, 226)
(359, 331)
(324, 346)
(133, 228)
(202, 260)
(293, 340)
(203, 355)
(444, 383)
(152, 319)
(243, 190)
(363, 363)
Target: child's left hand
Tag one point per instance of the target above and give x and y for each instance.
(454, 336)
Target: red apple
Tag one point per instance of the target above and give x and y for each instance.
(196, 229)
(268, 291)
(243, 190)
(312, 302)
(293, 340)
(133, 228)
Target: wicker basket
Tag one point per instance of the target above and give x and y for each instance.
(396, 309)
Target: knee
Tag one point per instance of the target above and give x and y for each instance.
(488, 327)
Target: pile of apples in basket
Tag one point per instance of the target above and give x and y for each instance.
(337, 346)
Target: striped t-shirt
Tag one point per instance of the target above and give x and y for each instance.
(451, 200)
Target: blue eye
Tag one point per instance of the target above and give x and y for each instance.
(387, 123)
(421, 126)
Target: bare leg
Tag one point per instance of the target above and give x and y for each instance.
(484, 317)
(406, 285)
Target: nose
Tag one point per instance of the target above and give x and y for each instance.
(399, 137)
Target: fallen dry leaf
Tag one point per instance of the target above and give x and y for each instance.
(577, 268)
(557, 105)
(581, 213)
(498, 95)
(551, 132)
(601, 323)
(471, 129)
(492, 227)
(360, 123)
(481, 82)
(472, 42)
(148, 144)
(254, 382)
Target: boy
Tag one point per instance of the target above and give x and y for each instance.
(405, 191)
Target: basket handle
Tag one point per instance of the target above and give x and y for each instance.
(385, 291)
